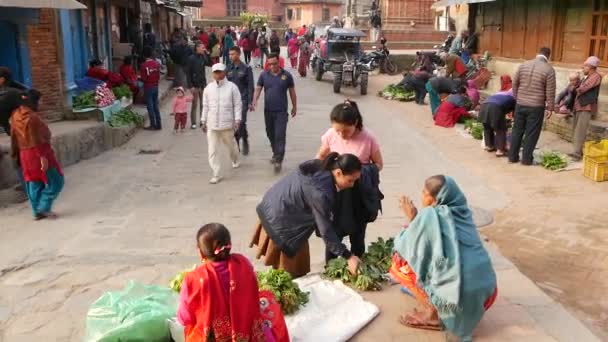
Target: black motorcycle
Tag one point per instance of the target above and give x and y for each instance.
(380, 58)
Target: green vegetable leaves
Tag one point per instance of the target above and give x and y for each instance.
(474, 127)
(122, 91)
(375, 263)
(285, 290)
(125, 117)
(84, 100)
(397, 92)
(553, 161)
(176, 283)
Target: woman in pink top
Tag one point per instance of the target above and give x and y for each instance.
(359, 205)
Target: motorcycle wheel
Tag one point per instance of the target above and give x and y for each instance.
(390, 67)
(363, 84)
(337, 82)
(318, 71)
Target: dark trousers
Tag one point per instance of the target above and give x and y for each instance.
(263, 51)
(247, 57)
(276, 131)
(420, 91)
(242, 132)
(151, 96)
(495, 139)
(357, 245)
(527, 124)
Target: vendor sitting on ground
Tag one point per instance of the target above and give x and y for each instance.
(455, 107)
(299, 204)
(220, 298)
(441, 261)
(454, 66)
(473, 93)
(565, 99)
(439, 87)
(416, 81)
(97, 71)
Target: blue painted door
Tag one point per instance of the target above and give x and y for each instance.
(9, 52)
(78, 44)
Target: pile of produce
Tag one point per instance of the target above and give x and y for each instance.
(125, 117)
(84, 100)
(104, 96)
(285, 290)
(475, 128)
(374, 265)
(122, 91)
(397, 92)
(553, 161)
(176, 283)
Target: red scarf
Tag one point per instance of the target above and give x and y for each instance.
(222, 319)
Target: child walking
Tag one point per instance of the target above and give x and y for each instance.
(220, 299)
(181, 104)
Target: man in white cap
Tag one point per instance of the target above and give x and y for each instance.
(221, 118)
(585, 105)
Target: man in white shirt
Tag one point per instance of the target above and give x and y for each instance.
(220, 119)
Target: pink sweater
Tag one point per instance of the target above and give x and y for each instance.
(181, 104)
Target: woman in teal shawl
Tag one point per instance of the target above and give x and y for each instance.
(228, 44)
(441, 260)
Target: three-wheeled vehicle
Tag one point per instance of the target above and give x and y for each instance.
(341, 55)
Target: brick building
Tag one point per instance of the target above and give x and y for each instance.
(306, 12)
(228, 11)
(409, 24)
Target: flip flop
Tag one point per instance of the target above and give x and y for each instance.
(406, 320)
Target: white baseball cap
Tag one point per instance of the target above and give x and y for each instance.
(218, 67)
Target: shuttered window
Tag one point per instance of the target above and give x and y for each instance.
(599, 30)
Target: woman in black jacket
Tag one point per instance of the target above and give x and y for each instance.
(299, 204)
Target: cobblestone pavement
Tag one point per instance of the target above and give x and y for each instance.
(126, 215)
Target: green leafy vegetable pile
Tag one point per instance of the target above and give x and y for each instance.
(474, 127)
(554, 161)
(285, 290)
(176, 283)
(122, 91)
(375, 263)
(84, 100)
(124, 117)
(397, 92)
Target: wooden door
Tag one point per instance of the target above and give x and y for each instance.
(491, 28)
(514, 29)
(599, 30)
(539, 26)
(575, 42)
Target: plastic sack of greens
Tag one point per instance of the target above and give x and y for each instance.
(138, 313)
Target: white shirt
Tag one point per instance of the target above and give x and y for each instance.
(221, 105)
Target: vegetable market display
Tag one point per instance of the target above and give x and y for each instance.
(475, 128)
(553, 161)
(104, 96)
(397, 92)
(84, 100)
(374, 265)
(125, 117)
(122, 91)
(284, 289)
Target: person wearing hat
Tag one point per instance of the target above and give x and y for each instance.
(221, 118)
(585, 105)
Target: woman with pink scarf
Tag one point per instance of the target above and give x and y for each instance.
(473, 93)
(292, 51)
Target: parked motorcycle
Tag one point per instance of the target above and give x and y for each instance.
(380, 58)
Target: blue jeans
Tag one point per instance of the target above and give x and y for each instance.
(276, 131)
(151, 96)
(42, 195)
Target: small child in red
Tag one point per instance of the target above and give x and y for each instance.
(181, 103)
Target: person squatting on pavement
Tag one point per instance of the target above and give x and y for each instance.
(220, 119)
(534, 91)
(197, 80)
(241, 74)
(276, 83)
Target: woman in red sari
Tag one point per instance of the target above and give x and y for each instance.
(219, 300)
(31, 145)
(304, 55)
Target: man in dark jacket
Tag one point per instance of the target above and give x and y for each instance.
(197, 80)
(241, 74)
(585, 105)
(179, 55)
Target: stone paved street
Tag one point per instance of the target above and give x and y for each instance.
(126, 215)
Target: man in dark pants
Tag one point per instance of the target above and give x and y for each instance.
(534, 90)
(241, 74)
(276, 83)
(197, 80)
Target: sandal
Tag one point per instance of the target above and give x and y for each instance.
(500, 154)
(489, 149)
(412, 321)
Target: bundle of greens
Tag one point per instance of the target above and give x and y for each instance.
(553, 161)
(284, 289)
(375, 263)
(474, 127)
(84, 100)
(122, 91)
(397, 92)
(125, 117)
(176, 283)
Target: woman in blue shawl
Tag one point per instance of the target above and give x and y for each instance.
(442, 262)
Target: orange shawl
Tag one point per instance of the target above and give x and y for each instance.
(28, 130)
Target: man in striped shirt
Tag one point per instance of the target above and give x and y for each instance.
(534, 90)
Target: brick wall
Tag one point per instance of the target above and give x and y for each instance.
(213, 9)
(46, 67)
